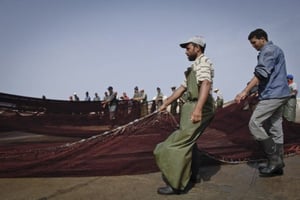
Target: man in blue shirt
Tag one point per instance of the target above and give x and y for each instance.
(266, 120)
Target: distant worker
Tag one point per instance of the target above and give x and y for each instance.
(124, 96)
(143, 101)
(96, 97)
(136, 93)
(87, 96)
(105, 111)
(159, 98)
(219, 98)
(289, 111)
(76, 98)
(112, 102)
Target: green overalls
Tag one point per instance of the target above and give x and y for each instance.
(174, 155)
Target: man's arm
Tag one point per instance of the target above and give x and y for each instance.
(242, 95)
(203, 95)
(176, 94)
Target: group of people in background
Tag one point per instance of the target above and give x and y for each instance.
(140, 96)
(87, 97)
(110, 100)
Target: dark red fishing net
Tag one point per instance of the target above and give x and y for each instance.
(86, 143)
(228, 137)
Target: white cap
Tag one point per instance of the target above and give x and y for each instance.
(196, 40)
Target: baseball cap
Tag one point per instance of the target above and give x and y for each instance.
(290, 76)
(196, 40)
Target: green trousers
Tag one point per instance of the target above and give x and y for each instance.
(174, 155)
(289, 110)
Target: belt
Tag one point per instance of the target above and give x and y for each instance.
(193, 100)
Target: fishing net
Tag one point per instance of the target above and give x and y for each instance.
(229, 140)
(124, 150)
(82, 144)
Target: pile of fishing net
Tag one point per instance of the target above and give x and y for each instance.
(128, 149)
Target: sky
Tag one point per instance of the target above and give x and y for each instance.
(58, 47)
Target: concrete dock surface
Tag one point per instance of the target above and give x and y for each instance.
(226, 182)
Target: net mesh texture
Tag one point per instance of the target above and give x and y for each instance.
(37, 142)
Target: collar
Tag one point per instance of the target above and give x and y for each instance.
(199, 57)
(267, 44)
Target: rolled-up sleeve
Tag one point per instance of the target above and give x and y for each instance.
(265, 65)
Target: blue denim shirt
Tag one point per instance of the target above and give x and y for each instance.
(271, 72)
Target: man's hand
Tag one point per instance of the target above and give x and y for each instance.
(241, 96)
(196, 117)
(162, 108)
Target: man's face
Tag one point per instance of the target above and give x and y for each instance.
(257, 43)
(191, 52)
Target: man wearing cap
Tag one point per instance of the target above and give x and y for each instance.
(76, 98)
(174, 155)
(289, 111)
(219, 99)
(136, 93)
(159, 98)
(142, 99)
(273, 92)
(112, 102)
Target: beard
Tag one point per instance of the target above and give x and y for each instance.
(192, 57)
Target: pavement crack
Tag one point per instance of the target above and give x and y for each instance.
(68, 190)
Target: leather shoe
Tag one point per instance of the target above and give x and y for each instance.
(167, 190)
